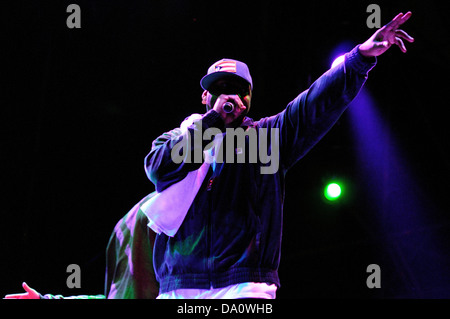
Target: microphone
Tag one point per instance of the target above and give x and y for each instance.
(228, 107)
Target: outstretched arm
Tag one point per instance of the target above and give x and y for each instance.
(312, 114)
(386, 36)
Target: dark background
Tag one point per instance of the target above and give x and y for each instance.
(80, 108)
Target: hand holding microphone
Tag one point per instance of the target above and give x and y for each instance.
(230, 107)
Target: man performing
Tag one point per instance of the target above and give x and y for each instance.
(219, 233)
(219, 223)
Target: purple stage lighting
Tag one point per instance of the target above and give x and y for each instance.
(399, 206)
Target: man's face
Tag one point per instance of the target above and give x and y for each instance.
(228, 87)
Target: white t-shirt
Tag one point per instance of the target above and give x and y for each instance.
(242, 290)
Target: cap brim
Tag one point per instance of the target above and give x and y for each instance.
(209, 79)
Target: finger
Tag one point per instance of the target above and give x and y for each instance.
(405, 17)
(400, 44)
(242, 108)
(402, 34)
(237, 102)
(26, 287)
(394, 23)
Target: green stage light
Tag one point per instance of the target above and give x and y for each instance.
(332, 191)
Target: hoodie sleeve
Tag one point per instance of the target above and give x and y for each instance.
(312, 114)
(176, 153)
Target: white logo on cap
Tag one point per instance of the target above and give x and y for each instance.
(226, 66)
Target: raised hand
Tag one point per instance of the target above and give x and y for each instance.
(386, 36)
